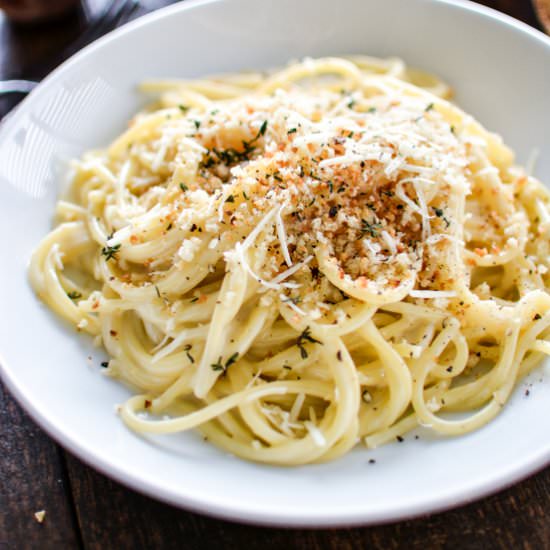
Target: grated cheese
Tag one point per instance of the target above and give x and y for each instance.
(297, 407)
(432, 293)
(189, 248)
(316, 434)
(282, 235)
(389, 241)
(288, 301)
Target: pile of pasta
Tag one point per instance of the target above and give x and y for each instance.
(297, 261)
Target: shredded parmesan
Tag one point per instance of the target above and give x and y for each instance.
(297, 407)
(389, 241)
(432, 293)
(282, 235)
(316, 434)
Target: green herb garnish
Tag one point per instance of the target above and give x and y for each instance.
(217, 366)
(110, 251)
(441, 214)
(296, 300)
(248, 145)
(305, 336)
(187, 348)
(370, 227)
(231, 155)
(231, 360)
(263, 128)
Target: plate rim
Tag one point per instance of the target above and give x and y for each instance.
(207, 505)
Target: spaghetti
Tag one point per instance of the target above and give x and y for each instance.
(299, 261)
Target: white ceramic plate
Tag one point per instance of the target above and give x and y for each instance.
(500, 70)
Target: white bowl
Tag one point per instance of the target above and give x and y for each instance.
(500, 70)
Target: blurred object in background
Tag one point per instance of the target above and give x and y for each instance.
(32, 47)
(542, 7)
(37, 11)
(30, 50)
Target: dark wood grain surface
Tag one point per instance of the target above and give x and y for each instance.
(84, 509)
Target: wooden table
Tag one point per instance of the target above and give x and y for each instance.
(85, 509)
